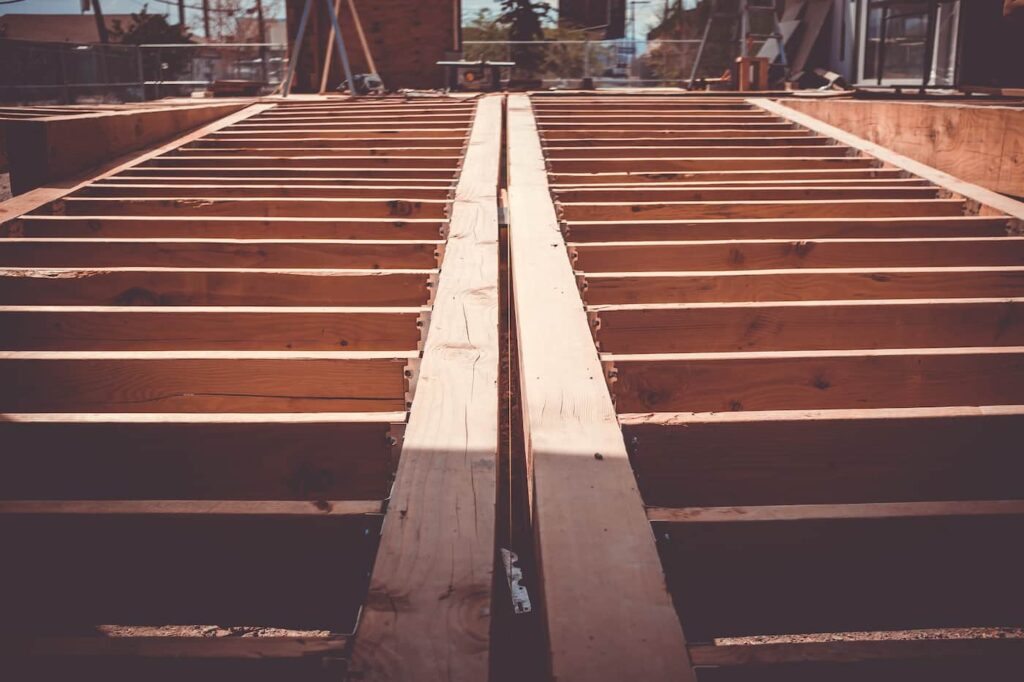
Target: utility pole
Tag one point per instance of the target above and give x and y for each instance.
(181, 13)
(206, 20)
(263, 38)
(101, 25)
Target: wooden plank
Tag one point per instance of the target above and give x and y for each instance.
(203, 381)
(50, 149)
(735, 138)
(214, 287)
(178, 647)
(990, 203)
(428, 613)
(784, 253)
(395, 206)
(980, 144)
(41, 196)
(579, 460)
(209, 328)
(603, 153)
(271, 509)
(276, 191)
(262, 253)
(826, 456)
(322, 456)
(197, 568)
(803, 284)
(809, 325)
(289, 172)
(640, 196)
(702, 163)
(809, 380)
(191, 227)
(727, 210)
(787, 228)
(843, 568)
(854, 651)
(312, 160)
(710, 175)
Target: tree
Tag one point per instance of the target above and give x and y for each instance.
(149, 28)
(524, 19)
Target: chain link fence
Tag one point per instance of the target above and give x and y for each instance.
(65, 73)
(609, 63)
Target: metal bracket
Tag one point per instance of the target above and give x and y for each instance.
(395, 440)
(431, 285)
(412, 375)
(594, 320)
(520, 596)
(423, 323)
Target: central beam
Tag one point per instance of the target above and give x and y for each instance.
(609, 615)
(427, 617)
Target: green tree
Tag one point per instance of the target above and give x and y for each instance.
(525, 21)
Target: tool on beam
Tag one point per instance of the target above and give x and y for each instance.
(338, 39)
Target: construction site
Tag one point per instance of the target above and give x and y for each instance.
(512, 341)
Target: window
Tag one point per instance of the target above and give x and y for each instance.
(908, 43)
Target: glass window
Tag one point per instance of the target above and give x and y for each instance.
(909, 41)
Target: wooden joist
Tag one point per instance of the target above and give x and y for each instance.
(82, 327)
(817, 365)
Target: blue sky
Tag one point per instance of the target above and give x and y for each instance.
(469, 8)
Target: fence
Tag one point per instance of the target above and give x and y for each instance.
(38, 72)
(610, 63)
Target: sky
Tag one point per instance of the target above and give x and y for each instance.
(644, 13)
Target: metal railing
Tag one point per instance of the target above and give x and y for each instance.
(609, 63)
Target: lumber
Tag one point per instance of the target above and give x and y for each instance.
(428, 613)
(808, 325)
(828, 379)
(80, 327)
(719, 459)
(191, 457)
(989, 202)
(579, 459)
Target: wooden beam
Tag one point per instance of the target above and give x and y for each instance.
(24, 327)
(808, 380)
(579, 460)
(809, 325)
(261, 253)
(683, 164)
(50, 149)
(579, 231)
(727, 210)
(978, 142)
(195, 568)
(177, 647)
(583, 177)
(256, 457)
(214, 287)
(989, 202)
(841, 568)
(918, 454)
(784, 253)
(41, 196)
(191, 227)
(979, 650)
(803, 284)
(203, 381)
(281, 190)
(428, 613)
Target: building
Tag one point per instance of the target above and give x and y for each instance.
(405, 37)
(936, 42)
(59, 28)
(607, 18)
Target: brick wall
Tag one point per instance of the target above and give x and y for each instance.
(406, 38)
